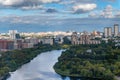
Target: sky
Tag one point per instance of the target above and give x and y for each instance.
(39, 13)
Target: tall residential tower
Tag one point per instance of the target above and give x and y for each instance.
(108, 32)
(12, 34)
(116, 30)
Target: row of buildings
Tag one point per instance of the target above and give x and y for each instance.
(15, 40)
(83, 38)
(95, 37)
(7, 44)
(111, 32)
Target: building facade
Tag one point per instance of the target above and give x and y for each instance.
(83, 38)
(6, 45)
(107, 32)
(116, 30)
(12, 34)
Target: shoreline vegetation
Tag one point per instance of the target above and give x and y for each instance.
(90, 62)
(85, 62)
(12, 60)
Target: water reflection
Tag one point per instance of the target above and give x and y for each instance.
(40, 68)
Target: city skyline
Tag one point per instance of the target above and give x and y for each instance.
(114, 29)
(59, 39)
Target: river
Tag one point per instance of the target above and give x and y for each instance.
(40, 68)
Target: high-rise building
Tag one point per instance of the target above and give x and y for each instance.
(12, 34)
(74, 38)
(108, 32)
(116, 30)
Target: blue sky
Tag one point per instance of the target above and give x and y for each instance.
(48, 12)
(60, 7)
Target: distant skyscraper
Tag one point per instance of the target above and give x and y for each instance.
(116, 30)
(74, 38)
(108, 32)
(12, 34)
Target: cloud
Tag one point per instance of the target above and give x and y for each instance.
(76, 1)
(110, 0)
(34, 7)
(25, 3)
(11, 2)
(83, 8)
(36, 4)
(107, 12)
(117, 15)
(51, 10)
(40, 23)
(93, 15)
(34, 19)
(61, 6)
(48, 1)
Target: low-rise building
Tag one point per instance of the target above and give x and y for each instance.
(46, 41)
(6, 45)
(27, 45)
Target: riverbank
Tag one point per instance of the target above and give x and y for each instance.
(39, 68)
(101, 62)
(77, 76)
(12, 60)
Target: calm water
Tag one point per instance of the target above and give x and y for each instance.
(40, 68)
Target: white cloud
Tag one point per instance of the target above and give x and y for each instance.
(19, 3)
(76, 1)
(67, 2)
(11, 2)
(82, 8)
(93, 15)
(30, 19)
(32, 7)
(48, 1)
(117, 14)
(107, 12)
